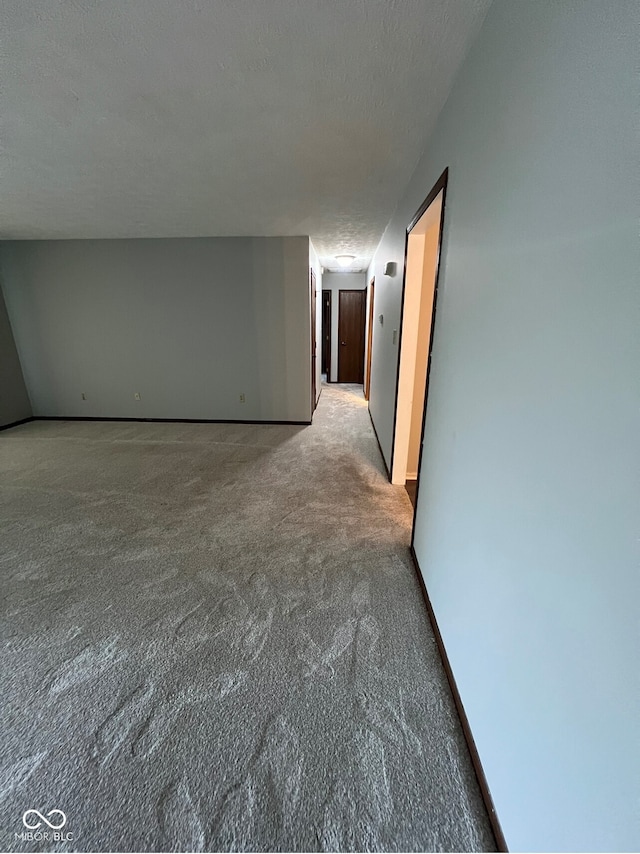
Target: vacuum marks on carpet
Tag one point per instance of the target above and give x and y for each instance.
(219, 643)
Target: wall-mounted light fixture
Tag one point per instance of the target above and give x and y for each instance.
(390, 268)
(345, 260)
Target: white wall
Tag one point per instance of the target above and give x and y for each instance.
(190, 324)
(527, 514)
(14, 400)
(336, 282)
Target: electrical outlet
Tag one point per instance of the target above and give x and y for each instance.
(137, 396)
(242, 398)
(83, 396)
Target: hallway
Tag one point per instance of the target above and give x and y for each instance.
(215, 639)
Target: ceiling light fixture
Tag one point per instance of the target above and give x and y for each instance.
(345, 260)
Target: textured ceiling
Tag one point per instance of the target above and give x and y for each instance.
(175, 118)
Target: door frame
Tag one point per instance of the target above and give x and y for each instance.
(327, 293)
(367, 364)
(314, 343)
(439, 186)
(362, 291)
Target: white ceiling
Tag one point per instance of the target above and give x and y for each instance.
(175, 118)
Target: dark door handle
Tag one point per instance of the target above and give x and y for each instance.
(343, 343)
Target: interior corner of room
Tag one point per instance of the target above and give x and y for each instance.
(139, 338)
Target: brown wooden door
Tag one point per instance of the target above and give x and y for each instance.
(314, 395)
(326, 334)
(351, 314)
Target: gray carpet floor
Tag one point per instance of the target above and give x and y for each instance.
(213, 639)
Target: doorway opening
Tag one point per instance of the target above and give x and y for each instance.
(420, 290)
(367, 370)
(351, 316)
(314, 390)
(326, 335)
